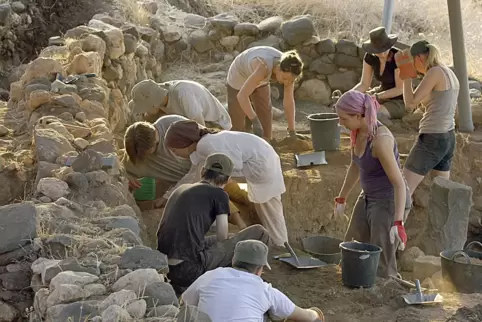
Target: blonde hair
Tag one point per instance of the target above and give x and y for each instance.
(140, 137)
(433, 58)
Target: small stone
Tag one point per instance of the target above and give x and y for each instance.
(160, 293)
(88, 161)
(193, 20)
(298, 30)
(80, 143)
(190, 313)
(77, 278)
(45, 199)
(80, 116)
(18, 6)
(137, 309)
(53, 188)
(271, 24)
(19, 226)
(115, 313)
(121, 298)
(65, 293)
(7, 312)
(38, 98)
(3, 130)
(137, 280)
(94, 290)
(143, 257)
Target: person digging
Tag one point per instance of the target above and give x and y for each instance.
(215, 291)
(146, 155)
(182, 97)
(189, 213)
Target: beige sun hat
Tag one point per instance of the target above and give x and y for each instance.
(147, 96)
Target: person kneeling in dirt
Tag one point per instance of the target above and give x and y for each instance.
(239, 293)
(379, 214)
(189, 213)
(254, 159)
(147, 156)
(181, 97)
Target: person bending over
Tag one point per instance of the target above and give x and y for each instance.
(248, 81)
(239, 293)
(189, 213)
(182, 97)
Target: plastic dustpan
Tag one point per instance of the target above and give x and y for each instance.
(147, 191)
(300, 262)
(310, 159)
(418, 298)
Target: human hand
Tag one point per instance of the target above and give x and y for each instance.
(134, 184)
(397, 232)
(339, 207)
(295, 135)
(257, 127)
(321, 316)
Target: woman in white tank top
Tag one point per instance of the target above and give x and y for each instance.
(435, 146)
(248, 82)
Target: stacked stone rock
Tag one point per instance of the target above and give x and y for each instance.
(17, 251)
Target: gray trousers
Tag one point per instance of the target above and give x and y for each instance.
(215, 254)
(370, 223)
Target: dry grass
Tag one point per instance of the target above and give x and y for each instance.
(353, 19)
(134, 12)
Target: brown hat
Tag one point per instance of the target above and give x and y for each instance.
(379, 41)
(219, 162)
(147, 96)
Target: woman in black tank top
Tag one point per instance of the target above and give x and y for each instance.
(379, 62)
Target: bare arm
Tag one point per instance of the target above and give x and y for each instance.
(289, 105)
(260, 73)
(411, 98)
(393, 92)
(383, 150)
(304, 315)
(366, 79)
(351, 178)
(222, 227)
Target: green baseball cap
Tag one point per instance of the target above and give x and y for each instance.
(219, 162)
(147, 96)
(252, 252)
(420, 47)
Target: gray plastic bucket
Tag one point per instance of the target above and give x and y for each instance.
(325, 131)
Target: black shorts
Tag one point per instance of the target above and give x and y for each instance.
(431, 151)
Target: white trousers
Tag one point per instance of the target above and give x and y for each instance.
(271, 216)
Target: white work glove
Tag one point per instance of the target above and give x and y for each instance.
(397, 232)
(339, 207)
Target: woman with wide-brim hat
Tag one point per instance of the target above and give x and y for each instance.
(379, 62)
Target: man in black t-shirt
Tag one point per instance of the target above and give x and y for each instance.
(189, 213)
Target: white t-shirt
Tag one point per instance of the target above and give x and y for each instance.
(253, 158)
(227, 295)
(194, 101)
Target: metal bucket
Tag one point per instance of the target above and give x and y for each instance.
(324, 248)
(462, 275)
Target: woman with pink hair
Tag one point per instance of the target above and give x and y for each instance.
(381, 208)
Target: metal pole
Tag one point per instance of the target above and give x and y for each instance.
(465, 123)
(388, 15)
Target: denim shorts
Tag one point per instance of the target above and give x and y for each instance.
(431, 151)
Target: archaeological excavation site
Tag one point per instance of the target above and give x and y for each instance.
(76, 245)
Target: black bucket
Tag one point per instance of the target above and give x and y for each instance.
(359, 264)
(325, 131)
(324, 248)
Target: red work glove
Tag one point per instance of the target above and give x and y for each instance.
(405, 64)
(397, 232)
